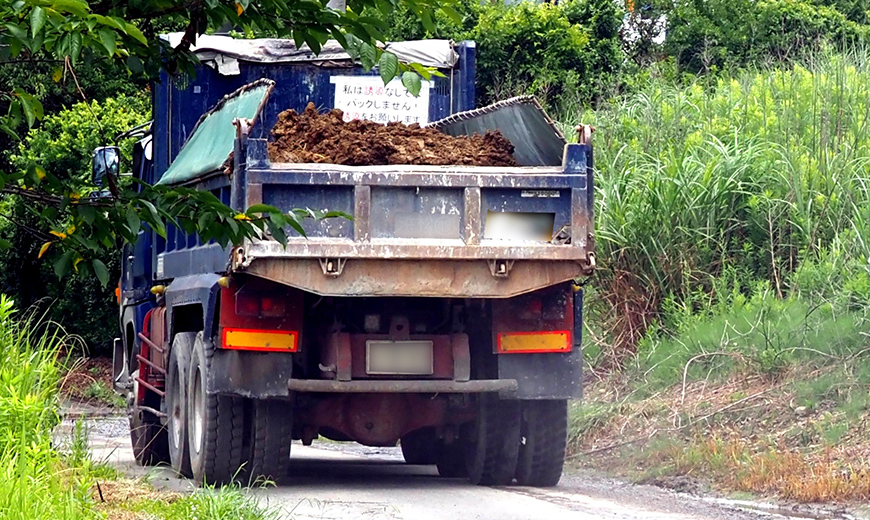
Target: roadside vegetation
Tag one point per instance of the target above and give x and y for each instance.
(46, 478)
(729, 334)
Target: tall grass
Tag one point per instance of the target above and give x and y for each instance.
(37, 482)
(762, 172)
(34, 482)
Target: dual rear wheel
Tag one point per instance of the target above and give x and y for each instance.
(218, 439)
(522, 440)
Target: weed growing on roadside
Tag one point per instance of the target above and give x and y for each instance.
(101, 392)
(209, 504)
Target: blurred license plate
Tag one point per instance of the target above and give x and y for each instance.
(399, 357)
(519, 226)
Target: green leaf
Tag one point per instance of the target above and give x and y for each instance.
(367, 55)
(294, 222)
(388, 66)
(205, 220)
(262, 208)
(37, 20)
(16, 31)
(5, 244)
(62, 265)
(27, 108)
(421, 70)
(135, 65)
(452, 13)
(133, 221)
(428, 24)
(155, 219)
(134, 31)
(75, 7)
(107, 36)
(75, 47)
(337, 214)
(105, 20)
(101, 271)
(87, 213)
(411, 80)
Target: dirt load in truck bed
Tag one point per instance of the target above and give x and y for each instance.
(326, 138)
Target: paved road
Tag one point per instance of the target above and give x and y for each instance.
(341, 481)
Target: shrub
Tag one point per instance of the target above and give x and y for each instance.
(64, 144)
(714, 34)
(566, 53)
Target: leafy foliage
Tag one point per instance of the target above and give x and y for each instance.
(567, 54)
(712, 34)
(64, 142)
(557, 52)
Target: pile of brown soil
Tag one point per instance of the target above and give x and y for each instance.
(326, 138)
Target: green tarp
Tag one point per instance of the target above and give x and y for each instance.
(212, 140)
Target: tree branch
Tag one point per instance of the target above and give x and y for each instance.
(54, 200)
(33, 231)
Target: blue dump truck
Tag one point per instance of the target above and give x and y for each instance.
(434, 319)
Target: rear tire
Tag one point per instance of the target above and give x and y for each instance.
(272, 433)
(493, 442)
(419, 446)
(147, 436)
(176, 402)
(450, 459)
(216, 423)
(544, 436)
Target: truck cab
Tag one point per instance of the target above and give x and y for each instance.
(425, 321)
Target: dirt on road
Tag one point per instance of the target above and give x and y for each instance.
(311, 137)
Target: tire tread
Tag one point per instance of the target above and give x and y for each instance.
(542, 457)
(272, 433)
(224, 433)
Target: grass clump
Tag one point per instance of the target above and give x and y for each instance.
(210, 504)
(762, 334)
(35, 482)
(100, 391)
(41, 481)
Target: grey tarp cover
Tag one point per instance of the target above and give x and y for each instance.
(536, 140)
(225, 52)
(212, 139)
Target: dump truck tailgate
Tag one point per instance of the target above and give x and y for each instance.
(423, 230)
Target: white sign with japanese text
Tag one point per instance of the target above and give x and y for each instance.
(366, 97)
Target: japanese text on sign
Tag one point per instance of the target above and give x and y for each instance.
(366, 97)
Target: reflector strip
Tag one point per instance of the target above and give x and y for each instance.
(261, 340)
(534, 342)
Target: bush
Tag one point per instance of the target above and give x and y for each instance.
(711, 35)
(64, 144)
(564, 54)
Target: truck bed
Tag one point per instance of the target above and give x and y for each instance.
(418, 230)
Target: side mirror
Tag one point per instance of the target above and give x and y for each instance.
(107, 161)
